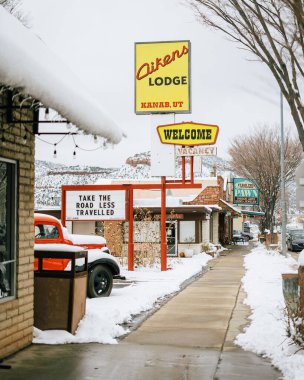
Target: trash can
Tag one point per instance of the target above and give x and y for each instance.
(60, 295)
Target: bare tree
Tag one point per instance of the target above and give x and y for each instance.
(257, 157)
(273, 30)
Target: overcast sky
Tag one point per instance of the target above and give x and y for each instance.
(96, 39)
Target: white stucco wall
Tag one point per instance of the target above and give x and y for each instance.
(215, 228)
(206, 231)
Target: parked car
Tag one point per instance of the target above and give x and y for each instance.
(238, 236)
(292, 231)
(102, 266)
(295, 240)
(249, 235)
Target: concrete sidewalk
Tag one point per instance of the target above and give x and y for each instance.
(190, 337)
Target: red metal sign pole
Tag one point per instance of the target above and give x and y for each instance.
(183, 168)
(163, 225)
(192, 169)
(131, 241)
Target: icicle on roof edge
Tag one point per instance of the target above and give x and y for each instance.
(27, 64)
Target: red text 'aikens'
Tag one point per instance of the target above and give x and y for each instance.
(150, 68)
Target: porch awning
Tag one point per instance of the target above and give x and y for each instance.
(178, 209)
(229, 207)
(253, 213)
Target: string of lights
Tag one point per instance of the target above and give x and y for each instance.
(76, 145)
(49, 117)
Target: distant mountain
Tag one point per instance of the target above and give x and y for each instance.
(50, 176)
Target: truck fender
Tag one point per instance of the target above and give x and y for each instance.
(111, 264)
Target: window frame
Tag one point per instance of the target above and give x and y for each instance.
(12, 225)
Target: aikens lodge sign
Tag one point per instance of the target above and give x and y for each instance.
(188, 134)
(162, 77)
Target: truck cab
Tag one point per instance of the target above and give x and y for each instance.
(102, 266)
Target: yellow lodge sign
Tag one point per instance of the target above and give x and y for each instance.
(162, 78)
(188, 134)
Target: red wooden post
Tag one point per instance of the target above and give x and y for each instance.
(183, 169)
(163, 225)
(131, 241)
(192, 169)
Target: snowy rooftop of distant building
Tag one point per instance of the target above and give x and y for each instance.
(30, 67)
(232, 207)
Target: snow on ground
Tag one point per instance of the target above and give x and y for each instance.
(104, 316)
(266, 334)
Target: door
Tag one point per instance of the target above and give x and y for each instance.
(171, 228)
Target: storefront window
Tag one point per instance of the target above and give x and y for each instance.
(187, 231)
(7, 229)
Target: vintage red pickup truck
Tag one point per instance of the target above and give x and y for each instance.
(102, 266)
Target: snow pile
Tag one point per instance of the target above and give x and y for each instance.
(29, 66)
(104, 316)
(266, 334)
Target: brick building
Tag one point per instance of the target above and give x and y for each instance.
(218, 194)
(30, 75)
(16, 221)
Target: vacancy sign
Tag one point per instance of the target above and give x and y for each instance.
(196, 151)
(188, 134)
(245, 192)
(95, 205)
(162, 77)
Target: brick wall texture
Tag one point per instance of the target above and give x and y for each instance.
(16, 316)
(211, 195)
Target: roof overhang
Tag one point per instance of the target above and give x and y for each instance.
(178, 209)
(229, 207)
(30, 67)
(253, 213)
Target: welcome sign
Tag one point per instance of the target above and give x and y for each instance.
(188, 134)
(162, 77)
(245, 192)
(95, 205)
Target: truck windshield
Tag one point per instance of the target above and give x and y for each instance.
(46, 231)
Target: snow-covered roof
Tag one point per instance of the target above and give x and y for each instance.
(28, 65)
(238, 211)
(170, 202)
(215, 207)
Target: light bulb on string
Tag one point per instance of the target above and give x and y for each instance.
(47, 114)
(74, 153)
(55, 151)
(68, 125)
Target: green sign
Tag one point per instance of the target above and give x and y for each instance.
(245, 192)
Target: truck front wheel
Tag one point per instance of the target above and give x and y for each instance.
(100, 282)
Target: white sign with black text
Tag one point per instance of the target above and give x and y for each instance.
(196, 151)
(96, 205)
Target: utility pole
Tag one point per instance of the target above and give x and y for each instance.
(283, 203)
